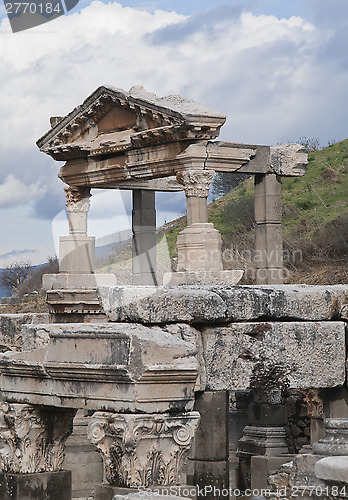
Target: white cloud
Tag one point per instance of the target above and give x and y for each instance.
(273, 78)
(13, 192)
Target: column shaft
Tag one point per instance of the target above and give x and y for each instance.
(268, 231)
(144, 238)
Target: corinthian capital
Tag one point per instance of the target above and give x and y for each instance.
(196, 182)
(143, 449)
(32, 438)
(77, 198)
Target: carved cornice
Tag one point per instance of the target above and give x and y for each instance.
(143, 449)
(196, 182)
(158, 121)
(33, 438)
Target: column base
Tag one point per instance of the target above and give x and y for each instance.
(203, 277)
(37, 486)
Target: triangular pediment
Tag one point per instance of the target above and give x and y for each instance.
(110, 121)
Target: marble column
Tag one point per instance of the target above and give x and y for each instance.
(144, 238)
(77, 251)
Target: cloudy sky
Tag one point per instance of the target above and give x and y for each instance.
(277, 68)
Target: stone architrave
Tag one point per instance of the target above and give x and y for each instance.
(33, 438)
(143, 449)
(288, 159)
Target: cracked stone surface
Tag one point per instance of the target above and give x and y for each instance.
(206, 304)
(313, 354)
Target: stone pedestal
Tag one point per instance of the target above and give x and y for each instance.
(335, 441)
(142, 450)
(39, 486)
(265, 435)
(319, 472)
(76, 254)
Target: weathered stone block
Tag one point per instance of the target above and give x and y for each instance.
(205, 304)
(263, 466)
(40, 486)
(107, 492)
(35, 336)
(121, 367)
(303, 472)
(332, 469)
(11, 326)
(150, 304)
(283, 302)
(211, 475)
(312, 353)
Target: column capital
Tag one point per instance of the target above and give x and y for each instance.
(143, 449)
(77, 198)
(196, 182)
(33, 438)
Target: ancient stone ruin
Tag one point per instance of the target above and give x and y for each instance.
(195, 387)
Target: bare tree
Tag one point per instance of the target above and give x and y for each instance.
(33, 282)
(14, 275)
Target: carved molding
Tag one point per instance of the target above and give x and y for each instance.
(77, 198)
(32, 438)
(143, 449)
(196, 182)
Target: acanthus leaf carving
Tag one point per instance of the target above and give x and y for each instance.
(33, 438)
(196, 182)
(77, 198)
(144, 449)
